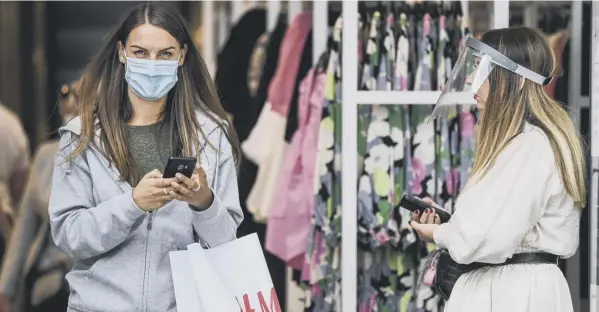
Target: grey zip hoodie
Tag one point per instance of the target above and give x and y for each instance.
(121, 253)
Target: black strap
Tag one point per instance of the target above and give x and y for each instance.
(547, 81)
(519, 258)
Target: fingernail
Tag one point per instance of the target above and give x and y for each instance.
(417, 212)
(437, 216)
(409, 222)
(427, 210)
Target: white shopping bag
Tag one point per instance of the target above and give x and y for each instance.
(186, 292)
(231, 278)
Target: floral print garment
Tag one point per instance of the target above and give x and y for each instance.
(399, 152)
(403, 153)
(423, 157)
(321, 275)
(455, 134)
(385, 276)
(467, 120)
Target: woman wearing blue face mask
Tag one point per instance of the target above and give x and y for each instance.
(146, 96)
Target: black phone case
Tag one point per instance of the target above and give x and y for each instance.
(183, 165)
(414, 203)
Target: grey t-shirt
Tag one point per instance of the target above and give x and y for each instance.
(150, 146)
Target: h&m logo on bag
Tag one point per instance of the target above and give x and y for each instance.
(258, 300)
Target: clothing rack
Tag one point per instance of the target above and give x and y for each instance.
(216, 23)
(352, 98)
(211, 43)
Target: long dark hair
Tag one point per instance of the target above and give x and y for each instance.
(105, 104)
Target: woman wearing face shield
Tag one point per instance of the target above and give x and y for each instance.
(32, 277)
(519, 212)
(146, 96)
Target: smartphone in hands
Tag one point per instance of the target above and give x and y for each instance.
(183, 165)
(413, 203)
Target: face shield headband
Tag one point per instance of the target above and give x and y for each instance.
(475, 63)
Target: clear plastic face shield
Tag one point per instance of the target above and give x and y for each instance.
(475, 63)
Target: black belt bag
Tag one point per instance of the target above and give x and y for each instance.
(441, 272)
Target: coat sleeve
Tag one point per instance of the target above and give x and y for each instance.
(80, 227)
(494, 214)
(218, 224)
(27, 222)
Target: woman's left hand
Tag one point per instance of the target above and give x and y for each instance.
(425, 230)
(426, 224)
(194, 190)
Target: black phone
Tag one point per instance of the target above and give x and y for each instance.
(182, 165)
(413, 203)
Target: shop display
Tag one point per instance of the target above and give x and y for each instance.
(321, 275)
(404, 46)
(397, 54)
(244, 106)
(402, 152)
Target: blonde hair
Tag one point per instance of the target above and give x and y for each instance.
(513, 100)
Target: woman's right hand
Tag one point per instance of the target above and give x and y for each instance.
(429, 216)
(5, 305)
(152, 191)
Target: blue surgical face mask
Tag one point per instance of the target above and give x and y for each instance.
(151, 79)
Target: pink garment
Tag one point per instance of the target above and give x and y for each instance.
(289, 220)
(270, 128)
(280, 90)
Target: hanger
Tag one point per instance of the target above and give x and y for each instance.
(385, 7)
(457, 8)
(432, 8)
(409, 6)
(399, 7)
(419, 9)
(363, 11)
